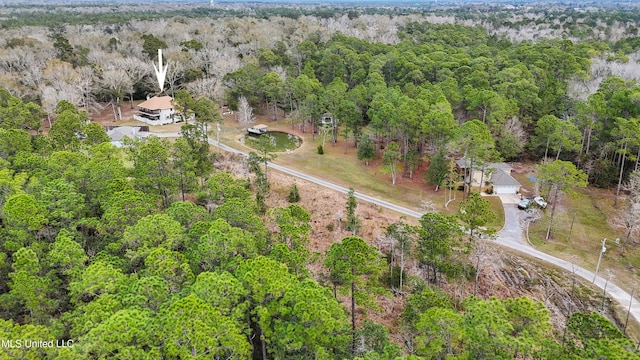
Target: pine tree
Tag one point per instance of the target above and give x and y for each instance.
(356, 266)
(366, 150)
(353, 223)
(294, 195)
(438, 170)
(475, 212)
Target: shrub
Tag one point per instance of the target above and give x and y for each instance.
(320, 150)
(294, 195)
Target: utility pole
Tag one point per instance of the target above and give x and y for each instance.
(629, 311)
(218, 136)
(604, 291)
(599, 259)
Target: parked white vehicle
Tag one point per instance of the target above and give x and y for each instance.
(540, 201)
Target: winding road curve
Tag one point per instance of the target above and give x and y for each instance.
(312, 179)
(511, 236)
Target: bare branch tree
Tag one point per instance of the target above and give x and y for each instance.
(427, 206)
(514, 127)
(203, 87)
(174, 75)
(245, 112)
(85, 84)
(480, 254)
(116, 83)
(136, 69)
(633, 186)
(629, 218)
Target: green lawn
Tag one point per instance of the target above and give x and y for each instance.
(591, 208)
(346, 170)
(498, 209)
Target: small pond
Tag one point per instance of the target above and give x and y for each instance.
(281, 141)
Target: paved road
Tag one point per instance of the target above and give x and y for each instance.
(341, 189)
(327, 184)
(511, 236)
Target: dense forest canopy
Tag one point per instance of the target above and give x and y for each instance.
(150, 251)
(100, 256)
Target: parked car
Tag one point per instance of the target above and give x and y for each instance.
(525, 204)
(540, 201)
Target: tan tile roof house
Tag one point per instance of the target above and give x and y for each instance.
(157, 110)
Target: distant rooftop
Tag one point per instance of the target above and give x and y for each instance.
(158, 103)
(465, 163)
(116, 134)
(503, 179)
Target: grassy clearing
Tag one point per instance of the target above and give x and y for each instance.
(342, 169)
(345, 170)
(498, 209)
(528, 186)
(591, 208)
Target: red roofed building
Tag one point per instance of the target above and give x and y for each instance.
(158, 110)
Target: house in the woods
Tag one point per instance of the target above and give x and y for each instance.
(328, 120)
(496, 176)
(158, 110)
(118, 133)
